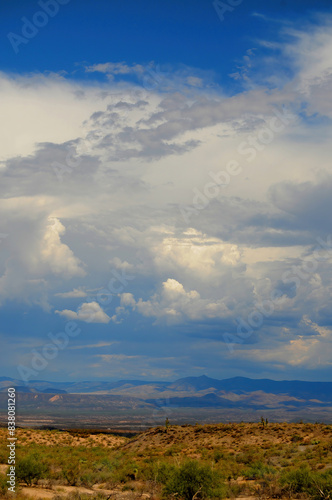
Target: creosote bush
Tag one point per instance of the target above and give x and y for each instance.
(71, 472)
(3, 486)
(30, 469)
(258, 470)
(317, 485)
(193, 480)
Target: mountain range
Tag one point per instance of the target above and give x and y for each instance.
(189, 392)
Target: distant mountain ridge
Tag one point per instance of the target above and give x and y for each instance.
(202, 390)
(133, 403)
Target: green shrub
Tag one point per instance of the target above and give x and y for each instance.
(103, 465)
(3, 486)
(297, 481)
(192, 479)
(248, 456)
(218, 454)
(162, 472)
(156, 471)
(173, 450)
(3, 456)
(321, 487)
(30, 469)
(317, 485)
(88, 479)
(71, 472)
(258, 471)
(296, 438)
(126, 472)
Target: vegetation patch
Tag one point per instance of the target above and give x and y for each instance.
(176, 462)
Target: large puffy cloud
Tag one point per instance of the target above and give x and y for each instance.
(175, 304)
(196, 253)
(35, 252)
(89, 312)
(55, 254)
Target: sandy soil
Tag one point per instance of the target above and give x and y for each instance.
(45, 437)
(44, 493)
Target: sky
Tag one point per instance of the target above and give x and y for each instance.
(165, 189)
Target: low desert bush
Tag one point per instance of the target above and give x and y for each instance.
(297, 481)
(126, 471)
(321, 486)
(317, 485)
(258, 470)
(3, 486)
(193, 480)
(30, 469)
(71, 473)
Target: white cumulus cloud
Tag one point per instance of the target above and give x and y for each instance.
(175, 304)
(59, 256)
(89, 312)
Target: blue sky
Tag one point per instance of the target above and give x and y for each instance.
(165, 189)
